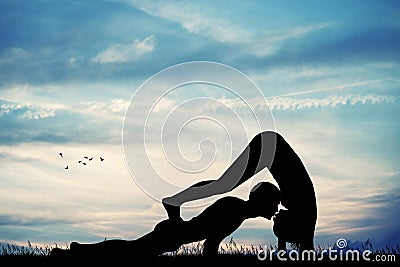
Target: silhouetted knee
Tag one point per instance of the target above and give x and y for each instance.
(266, 136)
(263, 147)
(269, 137)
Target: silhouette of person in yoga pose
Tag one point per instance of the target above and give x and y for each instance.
(266, 150)
(212, 225)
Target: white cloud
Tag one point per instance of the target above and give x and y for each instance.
(126, 52)
(289, 103)
(7, 108)
(44, 111)
(30, 102)
(118, 105)
(93, 105)
(31, 111)
(114, 106)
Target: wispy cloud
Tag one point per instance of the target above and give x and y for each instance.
(289, 103)
(30, 111)
(337, 87)
(126, 52)
(114, 106)
(27, 101)
(202, 21)
(118, 105)
(193, 19)
(270, 41)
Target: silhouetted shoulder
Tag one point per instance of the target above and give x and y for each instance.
(226, 208)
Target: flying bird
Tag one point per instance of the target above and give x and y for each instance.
(80, 161)
(61, 154)
(84, 163)
(91, 158)
(101, 159)
(86, 157)
(66, 167)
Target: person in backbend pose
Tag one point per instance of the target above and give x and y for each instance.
(212, 225)
(266, 150)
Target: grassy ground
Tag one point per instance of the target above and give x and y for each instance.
(230, 254)
(224, 260)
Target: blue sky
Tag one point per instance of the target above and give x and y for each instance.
(69, 70)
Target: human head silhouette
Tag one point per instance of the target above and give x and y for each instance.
(264, 199)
